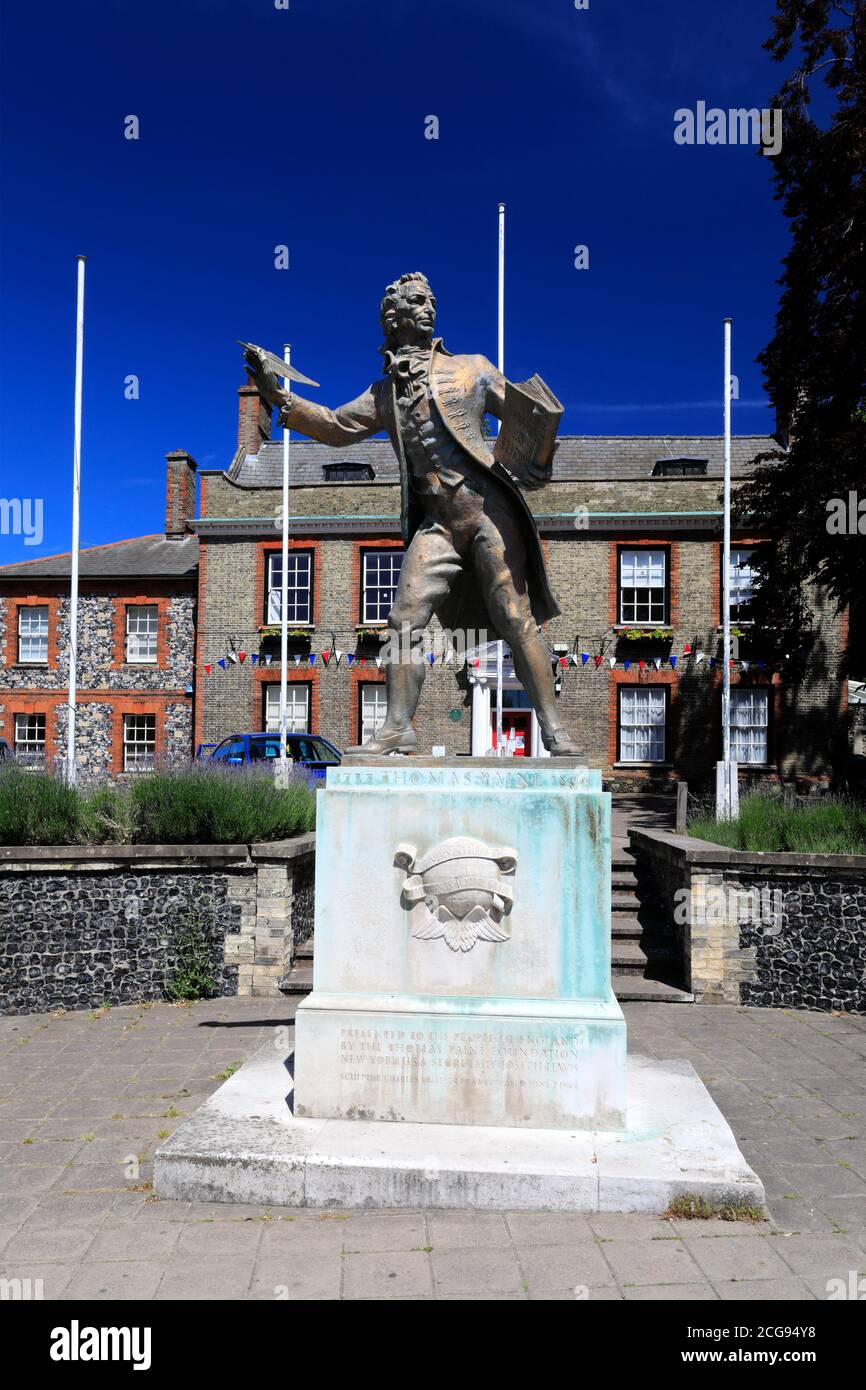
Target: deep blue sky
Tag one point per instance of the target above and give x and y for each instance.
(306, 127)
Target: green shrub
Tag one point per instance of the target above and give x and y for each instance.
(831, 825)
(36, 809)
(220, 806)
(193, 974)
(198, 805)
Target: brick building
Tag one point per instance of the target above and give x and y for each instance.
(179, 634)
(136, 635)
(631, 528)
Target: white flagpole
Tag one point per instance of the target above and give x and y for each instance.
(726, 775)
(71, 769)
(284, 595)
(501, 364)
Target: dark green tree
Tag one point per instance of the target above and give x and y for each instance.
(814, 365)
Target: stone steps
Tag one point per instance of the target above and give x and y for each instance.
(644, 960)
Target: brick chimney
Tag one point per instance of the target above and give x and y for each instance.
(179, 493)
(254, 418)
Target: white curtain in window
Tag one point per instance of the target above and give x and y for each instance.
(749, 726)
(642, 725)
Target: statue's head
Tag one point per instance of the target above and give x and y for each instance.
(408, 312)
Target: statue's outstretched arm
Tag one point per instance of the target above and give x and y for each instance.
(348, 424)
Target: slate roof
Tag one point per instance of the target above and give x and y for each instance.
(578, 458)
(147, 556)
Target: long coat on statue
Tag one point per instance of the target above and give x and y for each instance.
(463, 389)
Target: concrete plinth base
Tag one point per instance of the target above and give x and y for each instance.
(245, 1145)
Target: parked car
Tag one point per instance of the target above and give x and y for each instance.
(310, 751)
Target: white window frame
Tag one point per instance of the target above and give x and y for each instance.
(742, 577)
(643, 576)
(643, 732)
(142, 634)
(377, 610)
(750, 725)
(134, 726)
(297, 708)
(372, 708)
(33, 623)
(299, 590)
(29, 738)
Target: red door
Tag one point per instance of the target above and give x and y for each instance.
(520, 721)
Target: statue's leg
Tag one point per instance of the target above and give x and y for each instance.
(499, 556)
(430, 566)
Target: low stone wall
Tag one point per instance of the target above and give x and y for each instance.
(85, 925)
(764, 929)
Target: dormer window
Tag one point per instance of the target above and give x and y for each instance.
(680, 468)
(348, 472)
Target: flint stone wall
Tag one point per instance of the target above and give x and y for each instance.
(85, 926)
(772, 930)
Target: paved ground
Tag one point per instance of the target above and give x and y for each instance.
(86, 1098)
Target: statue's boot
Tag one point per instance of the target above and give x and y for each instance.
(532, 664)
(404, 681)
(386, 741)
(559, 745)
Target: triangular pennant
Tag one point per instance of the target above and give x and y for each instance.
(687, 650)
(338, 657)
(626, 664)
(746, 667)
(208, 668)
(584, 658)
(233, 657)
(657, 662)
(362, 661)
(611, 661)
(597, 662)
(312, 658)
(255, 658)
(242, 656)
(712, 663)
(378, 661)
(641, 663)
(699, 658)
(298, 660)
(431, 657)
(326, 657)
(673, 661)
(449, 657)
(350, 657)
(563, 661)
(268, 660)
(222, 663)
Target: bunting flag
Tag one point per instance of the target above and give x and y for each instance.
(312, 658)
(641, 663)
(673, 661)
(563, 661)
(326, 657)
(611, 661)
(254, 658)
(233, 657)
(222, 663)
(449, 657)
(687, 650)
(699, 658)
(584, 658)
(242, 656)
(431, 657)
(378, 661)
(338, 657)
(597, 662)
(268, 659)
(350, 657)
(626, 663)
(297, 660)
(657, 662)
(208, 668)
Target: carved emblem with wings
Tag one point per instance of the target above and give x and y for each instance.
(459, 890)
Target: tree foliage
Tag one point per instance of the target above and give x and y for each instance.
(814, 365)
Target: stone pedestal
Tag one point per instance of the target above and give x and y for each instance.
(462, 962)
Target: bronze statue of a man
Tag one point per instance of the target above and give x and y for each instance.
(473, 554)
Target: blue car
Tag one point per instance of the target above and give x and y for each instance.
(309, 751)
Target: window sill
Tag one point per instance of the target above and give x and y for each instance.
(31, 665)
(662, 767)
(646, 628)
